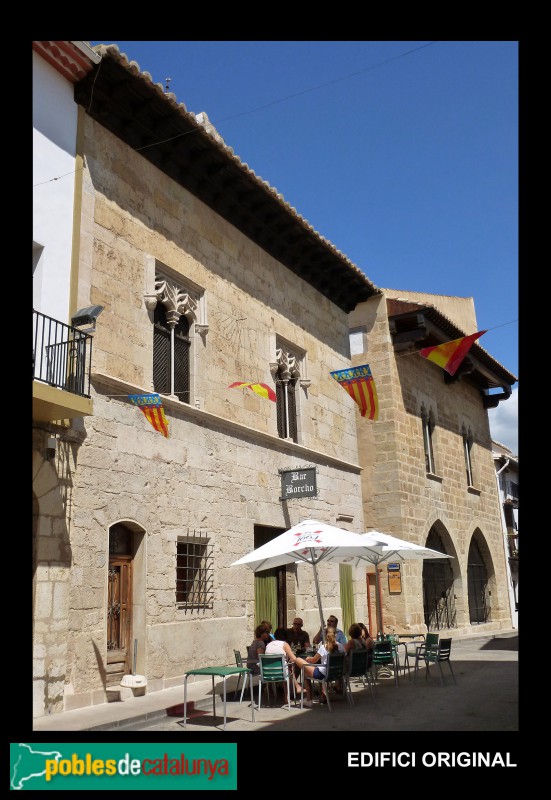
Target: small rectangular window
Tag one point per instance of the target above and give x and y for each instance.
(428, 428)
(357, 338)
(467, 447)
(194, 572)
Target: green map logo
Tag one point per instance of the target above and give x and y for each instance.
(156, 766)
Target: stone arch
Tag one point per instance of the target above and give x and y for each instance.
(481, 579)
(442, 585)
(135, 546)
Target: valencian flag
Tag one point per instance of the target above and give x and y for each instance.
(261, 389)
(152, 407)
(359, 383)
(450, 354)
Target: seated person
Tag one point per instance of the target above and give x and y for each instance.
(298, 638)
(256, 648)
(279, 646)
(316, 666)
(366, 636)
(268, 625)
(331, 623)
(355, 642)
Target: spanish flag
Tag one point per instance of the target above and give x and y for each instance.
(261, 389)
(152, 407)
(359, 383)
(450, 354)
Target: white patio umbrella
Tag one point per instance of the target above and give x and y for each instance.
(381, 548)
(309, 542)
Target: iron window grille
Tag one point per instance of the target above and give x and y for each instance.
(194, 572)
(477, 583)
(438, 590)
(171, 355)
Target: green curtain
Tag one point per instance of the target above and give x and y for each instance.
(347, 597)
(265, 597)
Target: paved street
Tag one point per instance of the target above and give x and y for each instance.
(484, 699)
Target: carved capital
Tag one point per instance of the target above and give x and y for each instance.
(288, 365)
(175, 300)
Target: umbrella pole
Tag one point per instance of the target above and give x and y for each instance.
(379, 600)
(317, 591)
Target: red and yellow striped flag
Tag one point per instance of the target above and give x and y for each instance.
(152, 407)
(261, 389)
(449, 355)
(359, 383)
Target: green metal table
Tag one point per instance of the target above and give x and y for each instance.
(218, 672)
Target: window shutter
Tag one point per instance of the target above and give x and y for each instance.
(181, 360)
(280, 401)
(292, 406)
(161, 351)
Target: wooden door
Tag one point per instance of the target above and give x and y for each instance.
(119, 618)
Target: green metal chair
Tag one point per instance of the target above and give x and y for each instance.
(358, 667)
(431, 640)
(334, 671)
(273, 670)
(383, 657)
(436, 654)
(239, 663)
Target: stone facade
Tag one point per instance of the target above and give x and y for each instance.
(399, 497)
(145, 240)
(217, 473)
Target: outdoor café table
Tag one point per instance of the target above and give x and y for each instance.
(407, 653)
(217, 672)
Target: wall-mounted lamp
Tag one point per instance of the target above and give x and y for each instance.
(87, 316)
(51, 447)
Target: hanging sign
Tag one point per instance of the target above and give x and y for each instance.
(394, 578)
(298, 483)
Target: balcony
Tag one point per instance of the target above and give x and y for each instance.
(511, 491)
(62, 356)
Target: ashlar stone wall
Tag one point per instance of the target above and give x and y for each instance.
(399, 497)
(217, 473)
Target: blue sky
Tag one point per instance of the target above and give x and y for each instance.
(403, 154)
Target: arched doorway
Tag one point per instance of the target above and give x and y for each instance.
(119, 603)
(477, 581)
(438, 591)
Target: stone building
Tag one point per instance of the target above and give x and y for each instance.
(507, 476)
(428, 471)
(163, 264)
(204, 276)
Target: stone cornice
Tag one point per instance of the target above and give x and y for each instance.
(206, 419)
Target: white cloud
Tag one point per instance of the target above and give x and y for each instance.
(504, 422)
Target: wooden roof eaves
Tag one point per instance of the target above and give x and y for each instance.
(162, 121)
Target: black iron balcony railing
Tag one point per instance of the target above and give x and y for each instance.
(62, 355)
